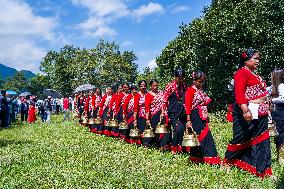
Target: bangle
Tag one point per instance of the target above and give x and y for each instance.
(246, 111)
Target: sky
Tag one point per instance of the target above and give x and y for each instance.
(31, 28)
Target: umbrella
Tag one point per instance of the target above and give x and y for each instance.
(24, 94)
(10, 92)
(52, 93)
(86, 87)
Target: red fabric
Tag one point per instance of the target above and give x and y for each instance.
(148, 99)
(112, 101)
(247, 167)
(252, 142)
(244, 78)
(102, 105)
(119, 101)
(171, 88)
(229, 116)
(136, 102)
(86, 107)
(125, 105)
(65, 104)
(31, 114)
(203, 133)
(189, 95)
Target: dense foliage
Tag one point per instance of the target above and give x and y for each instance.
(100, 66)
(213, 42)
(65, 155)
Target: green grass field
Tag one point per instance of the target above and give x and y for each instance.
(66, 155)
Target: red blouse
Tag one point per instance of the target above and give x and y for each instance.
(248, 86)
(120, 100)
(128, 104)
(113, 101)
(104, 103)
(195, 97)
(139, 104)
(153, 104)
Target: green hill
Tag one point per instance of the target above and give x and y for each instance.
(8, 72)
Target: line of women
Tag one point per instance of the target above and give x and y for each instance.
(135, 115)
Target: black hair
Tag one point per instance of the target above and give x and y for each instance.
(246, 55)
(125, 83)
(141, 81)
(179, 72)
(114, 87)
(153, 81)
(133, 87)
(198, 75)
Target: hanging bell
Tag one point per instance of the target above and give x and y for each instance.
(123, 125)
(281, 155)
(98, 121)
(148, 132)
(113, 123)
(75, 114)
(161, 129)
(190, 139)
(134, 133)
(272, 129)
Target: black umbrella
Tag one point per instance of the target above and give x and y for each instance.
(24, 94)
(86, 87)
(52, 93)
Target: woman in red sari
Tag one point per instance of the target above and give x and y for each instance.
(128, 115)
(153, 108)
(96, 103)
(196, 102)
(120, 100)
(32, 112)
(139, 110)
(103, 112)
(250, 147)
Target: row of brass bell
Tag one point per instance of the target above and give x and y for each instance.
(112, 123)
(190, 139)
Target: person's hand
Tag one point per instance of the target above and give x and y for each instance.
(247, 115)
(188, 124)
(147, 122)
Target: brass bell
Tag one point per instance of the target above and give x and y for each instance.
(161, 129)
(272, 129)
(148, 132)
(91, 121)
(98, 121)
(75, 114)
(190, 139)
(113, 123)
(281, 155)
(123, 125)
(134, 133)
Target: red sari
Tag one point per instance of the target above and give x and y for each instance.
(31, 113)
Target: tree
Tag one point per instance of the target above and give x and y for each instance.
(17, 83)
(213, 42)
(37, 84)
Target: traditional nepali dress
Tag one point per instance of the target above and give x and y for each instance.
(80, 106)
(32, 113)
(139, 108)
(173, 101)
(153, 106)
(91, 109)
(128, 112)
(250, 146)
(96, 101)
(103, 113)
(113, 114)
(196, 102)
(120, 100)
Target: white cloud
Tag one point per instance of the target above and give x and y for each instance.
(178, 9)
(126, 43)
(152, 64)
(101, 31)
(103, 8)
(102, 13)
(144, 10)
(20, 30)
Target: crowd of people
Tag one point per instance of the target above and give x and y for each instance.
(28, 108)
(182, 109)
(165, 119)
